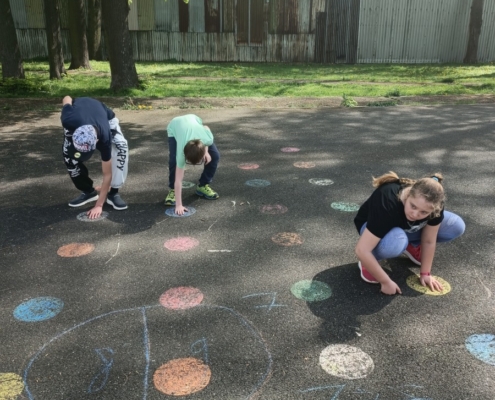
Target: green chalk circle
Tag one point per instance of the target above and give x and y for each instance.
(348, 207)
(309, 290)
(187, 185)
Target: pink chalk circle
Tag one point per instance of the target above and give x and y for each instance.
(273, 209)
(304, 164)
(181, 298)
(289, 149)
(181, 243)
(248, 166)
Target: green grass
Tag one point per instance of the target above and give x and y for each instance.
(173, 79)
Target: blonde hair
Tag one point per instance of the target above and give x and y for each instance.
(429, 187)
(194, 151)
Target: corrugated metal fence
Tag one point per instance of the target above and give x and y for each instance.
(322, 31)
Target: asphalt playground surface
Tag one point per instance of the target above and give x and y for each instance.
(256, 295)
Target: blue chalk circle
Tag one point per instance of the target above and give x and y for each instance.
(171, 212)
(38, 309)
(258, 183)
(482, 347)
(347, 207)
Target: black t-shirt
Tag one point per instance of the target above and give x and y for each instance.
(88, 111)
(383, 211)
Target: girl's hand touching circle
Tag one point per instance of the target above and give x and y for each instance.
(432, 283)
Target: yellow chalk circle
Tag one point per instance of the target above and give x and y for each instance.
(11, 386)
(414, 283)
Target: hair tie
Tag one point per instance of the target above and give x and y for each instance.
(435, 178)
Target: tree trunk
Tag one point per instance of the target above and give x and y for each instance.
(54, 39)
(77, 35)
(475, 21)
(10, 54)
(118, 44)
(94, 30)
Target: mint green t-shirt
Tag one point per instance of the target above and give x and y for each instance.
(185, 128)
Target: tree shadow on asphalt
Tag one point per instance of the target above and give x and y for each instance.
(352, 298)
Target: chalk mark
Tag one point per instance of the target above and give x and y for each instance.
(203, 349)
(146, 343)
(488, 291)
(409, 396)
(219, 251)
(118, 245)
(212, 224)
(336, 393)
(105, 371)
(268, 306)
(42, 348)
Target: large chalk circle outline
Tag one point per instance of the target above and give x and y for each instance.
(53, 354)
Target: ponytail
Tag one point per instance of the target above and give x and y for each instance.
(389, 177)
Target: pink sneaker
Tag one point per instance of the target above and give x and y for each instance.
(365, 275)
(414, 253)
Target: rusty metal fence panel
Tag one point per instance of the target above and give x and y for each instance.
(486, 47)
(196, 16)
(18, 9)
(363, 31)
(413, 31)
(166, 16)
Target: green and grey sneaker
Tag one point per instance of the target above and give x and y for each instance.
(207, 192)
(170, 199)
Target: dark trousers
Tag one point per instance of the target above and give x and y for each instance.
(208, 170)
(79, 174)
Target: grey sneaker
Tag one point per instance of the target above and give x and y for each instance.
(83, 199)
(116, 202)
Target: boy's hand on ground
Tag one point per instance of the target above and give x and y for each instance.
(95, 212)
(179, 210)
(390, 288)
(432, 283)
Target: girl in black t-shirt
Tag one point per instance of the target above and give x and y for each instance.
(403, 216)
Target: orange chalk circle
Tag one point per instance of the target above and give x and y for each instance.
(11, 386)
(181, 298)
(75, 249)
(182, 376)
(303, 164)
(248, 166)
(288, 239)
(414, 283)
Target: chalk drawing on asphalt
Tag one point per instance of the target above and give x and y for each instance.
(346, 362)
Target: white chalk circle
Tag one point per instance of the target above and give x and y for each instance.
(257, 183)
(187, 185)
(171, 212)
(321, 181)
(84, 217)
(346, 362)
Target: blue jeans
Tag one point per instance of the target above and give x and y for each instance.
(208, 170)
(396, 240)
